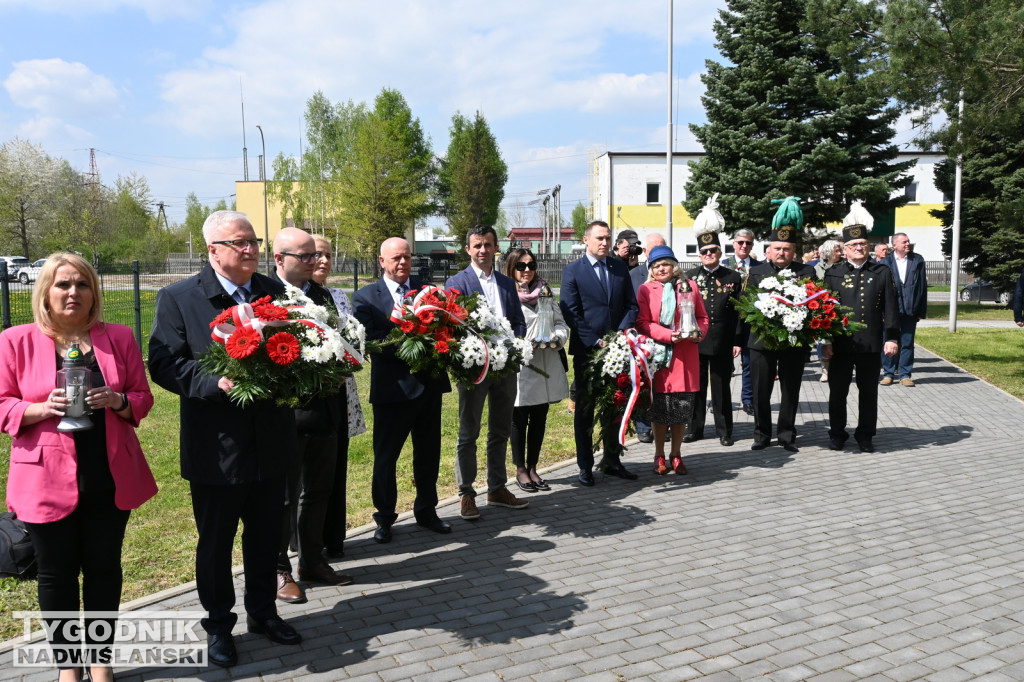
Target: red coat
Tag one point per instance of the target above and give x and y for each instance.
(683, 372)
(42, 484)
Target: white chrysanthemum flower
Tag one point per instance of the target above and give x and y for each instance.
(499, 356)
(312, 336)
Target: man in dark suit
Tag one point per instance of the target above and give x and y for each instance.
(596, 297)
(311, 477)
(500, 394)
(234, 458)
(867, 289)
(765, 364)
(720, 288)
(742, 261)
(908, 273)
(403, 403)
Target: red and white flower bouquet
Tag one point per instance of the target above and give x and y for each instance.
(288, 350)
(442, 330)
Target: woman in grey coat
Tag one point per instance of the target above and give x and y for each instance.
(536, 392)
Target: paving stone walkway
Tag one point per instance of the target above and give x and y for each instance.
(903, 564)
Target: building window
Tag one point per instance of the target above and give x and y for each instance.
(691, 250)
(653, 190)
(910, 192)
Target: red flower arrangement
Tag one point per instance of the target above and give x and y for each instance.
(289, 350)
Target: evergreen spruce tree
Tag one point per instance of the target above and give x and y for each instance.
(794, 113)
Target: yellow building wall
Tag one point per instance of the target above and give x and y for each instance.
(249, 200)
(916, 215)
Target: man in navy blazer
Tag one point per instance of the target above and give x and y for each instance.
(500, 394)
(596, 297)
(403, 402)
(911, 280)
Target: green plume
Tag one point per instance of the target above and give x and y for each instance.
(789, 213)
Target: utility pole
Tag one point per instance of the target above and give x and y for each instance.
(545, 237)
(668, 137)
(556, 194)
(266, 211)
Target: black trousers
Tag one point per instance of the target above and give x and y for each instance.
(764, 365)
(337, 503)
(716, 370)
(218, 509)
(87, 542)
(528, 425)
(583, 423)
(307, 494)
(840, 372)
(392, 425)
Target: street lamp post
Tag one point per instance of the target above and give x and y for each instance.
(266, 211)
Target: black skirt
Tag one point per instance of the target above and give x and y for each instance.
(671, 408)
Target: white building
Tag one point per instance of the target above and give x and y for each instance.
(630, 193)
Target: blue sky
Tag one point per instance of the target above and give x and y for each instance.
(153, 85)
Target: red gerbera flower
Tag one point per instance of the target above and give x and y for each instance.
(441, 347)
(283, 348)
(242, 343)
(846, 321)
(407, 325)
(269, 311)
(426, 316)
(815, 323)
(826, 324)
(813, 305)
(223, 318)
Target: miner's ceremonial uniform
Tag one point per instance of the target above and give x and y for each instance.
(720, 290)
(870, 293)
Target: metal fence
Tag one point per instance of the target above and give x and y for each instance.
(129, 289)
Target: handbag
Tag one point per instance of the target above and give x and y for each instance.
(17, 556)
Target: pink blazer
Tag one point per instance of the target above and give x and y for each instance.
(683, 372)
(42, 485)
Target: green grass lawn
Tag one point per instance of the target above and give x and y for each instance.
(992, 354)
(159, 549)
(970, 311)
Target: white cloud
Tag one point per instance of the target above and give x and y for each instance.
(56, 88)
(54, 133)
(505, 59)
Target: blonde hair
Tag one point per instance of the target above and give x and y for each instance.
(677, 271)
(47, 276)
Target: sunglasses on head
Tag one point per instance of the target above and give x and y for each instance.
(523, 267)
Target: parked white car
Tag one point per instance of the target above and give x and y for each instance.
(14, 264)
(29, 273)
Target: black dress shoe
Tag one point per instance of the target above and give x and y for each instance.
(789, 447)
(528, 487)
(748, 408)
(866, 445)
(275, 629)
(727, 442)
(334, 552)
(220, 649)
(759, 445)
(690, 437)
(383, 533)
(586, 477)
(621, 472)
(435, 524)
(835, 444)
(645, 436)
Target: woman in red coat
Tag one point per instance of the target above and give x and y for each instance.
(659, 318)
(74, 491)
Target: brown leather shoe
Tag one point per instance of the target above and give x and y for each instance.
(886, 381)
(287, 590)
(322, 573)
(503, 498)
(468, 509)
(906, 381)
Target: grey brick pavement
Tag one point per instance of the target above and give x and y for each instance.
(904, 564)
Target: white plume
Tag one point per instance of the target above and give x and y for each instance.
(859, 215)
(709, 219)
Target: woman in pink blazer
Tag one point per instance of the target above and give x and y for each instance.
(74, 491)
(675, 384)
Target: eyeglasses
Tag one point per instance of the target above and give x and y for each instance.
(709, 252)
(241, 243)
(304, 258)
(743, 242)
(863, 245)
(523, 267)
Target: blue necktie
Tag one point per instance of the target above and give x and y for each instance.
(603, 277)
(242, 295)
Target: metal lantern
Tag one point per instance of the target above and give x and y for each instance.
(546, 319)
(687, 317)
(76, 380)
